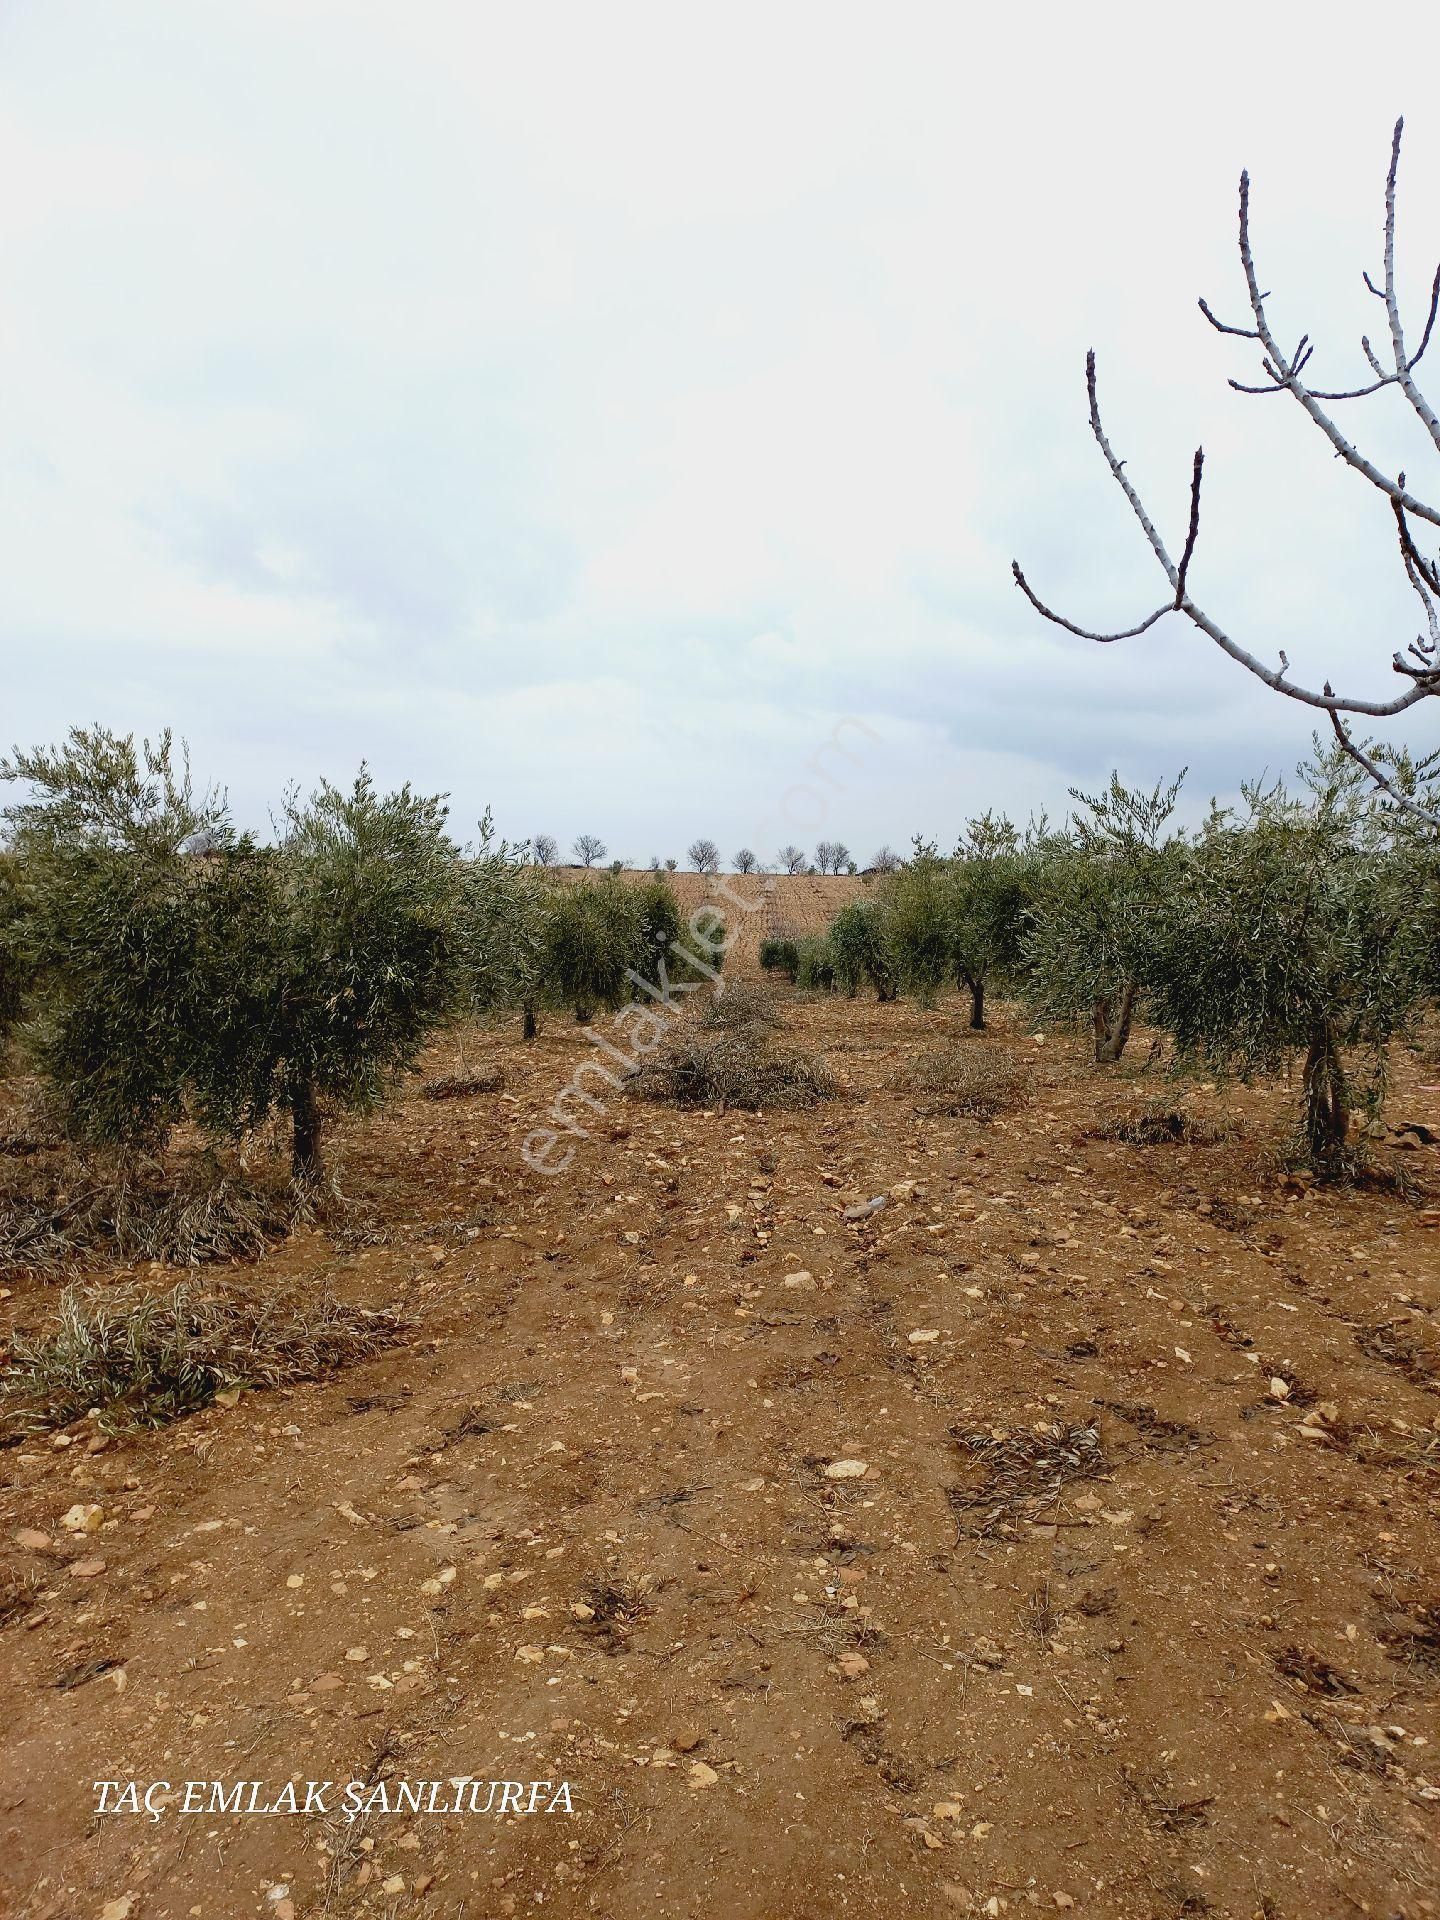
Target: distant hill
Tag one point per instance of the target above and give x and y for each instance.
(784, 905)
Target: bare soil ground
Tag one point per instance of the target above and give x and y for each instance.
(1135, 1610)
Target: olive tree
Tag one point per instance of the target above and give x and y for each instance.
(591, 935)
(1417, 851)
(987, 901)
(917, 904)
(815, 964)
(329, 960)
(504, 904)
(297, 976)
(15, 969)
(779, 954)
(1290, 928)
(1098, 892)
(861, 949)
(103, 926)
(658, 927)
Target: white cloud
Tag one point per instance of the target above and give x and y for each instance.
(580, 409)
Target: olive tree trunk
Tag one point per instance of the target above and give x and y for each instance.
(1112, 1025)
(976, 983)
(307, 1159)
(1325, 1117)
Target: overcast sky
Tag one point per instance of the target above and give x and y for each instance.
(583, 409)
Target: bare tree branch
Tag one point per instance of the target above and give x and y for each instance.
(1117, 469)
(1392, 305)
(1429, 319)
(1378, 774)
(1424, 577)
(1084, 633)
(1283, 374)
(1194, 534)
(1220, 326)
(1375, 709)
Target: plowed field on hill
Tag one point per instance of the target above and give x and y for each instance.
(768, 906)
(759, 906)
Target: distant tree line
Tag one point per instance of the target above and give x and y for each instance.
(703, 855)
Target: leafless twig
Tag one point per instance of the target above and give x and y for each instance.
(1419, 661)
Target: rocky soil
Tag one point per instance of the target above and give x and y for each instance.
(1056, 1535)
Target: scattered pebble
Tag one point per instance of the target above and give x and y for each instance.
(865, 1208)
(847, 1469)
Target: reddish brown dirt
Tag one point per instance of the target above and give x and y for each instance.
(1204, 1680)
